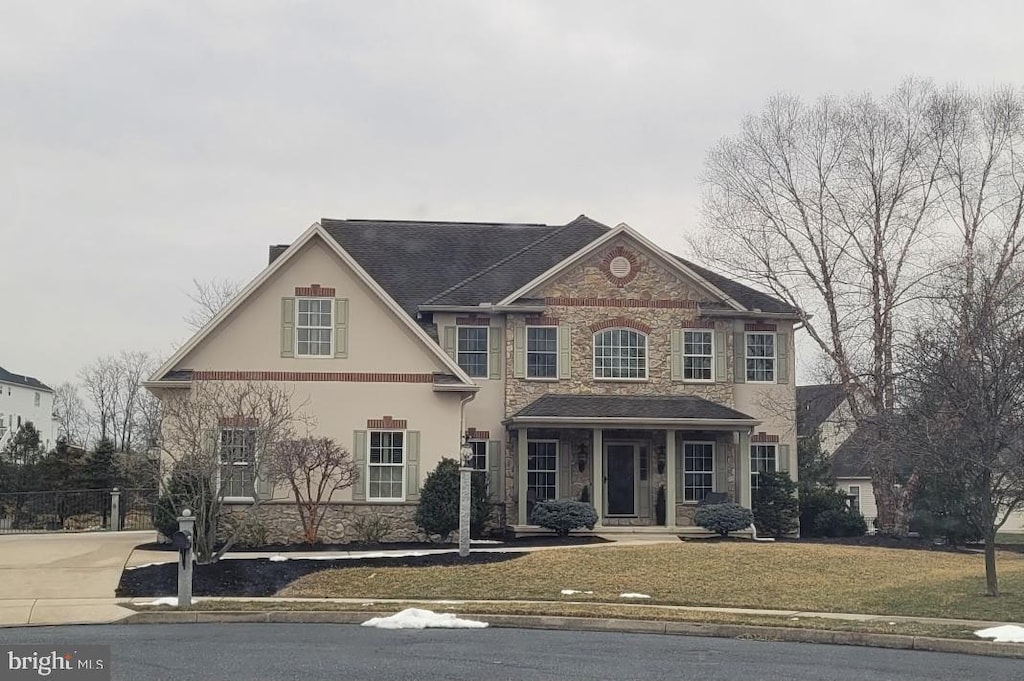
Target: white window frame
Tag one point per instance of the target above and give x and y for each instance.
(710, 356)
(646, 355)
(401, 466)
(473, 443)
(686, 470)
(221, 462)
(329, 328)
(854, 498)
(541, 352)
(541, 470)
(486, 351)
(754, 472)
(774, 358)
(37, 399)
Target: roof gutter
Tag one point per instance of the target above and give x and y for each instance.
(750, 314)
(483, 307)
(721, 424)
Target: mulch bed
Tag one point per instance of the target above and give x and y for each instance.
(263, 577)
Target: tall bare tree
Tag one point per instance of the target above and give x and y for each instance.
(209, 298)
(73, 418)
(102, 382)
(114, 385)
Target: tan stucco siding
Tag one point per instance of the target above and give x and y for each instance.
(250, 338)
(487, 409)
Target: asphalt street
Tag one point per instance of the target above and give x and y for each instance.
(307, 652)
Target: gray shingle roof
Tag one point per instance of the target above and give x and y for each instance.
(27, 381)
(629, 406)
(850, 460)
(744, 295)
(814, 404)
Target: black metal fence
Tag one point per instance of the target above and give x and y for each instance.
(76, 510)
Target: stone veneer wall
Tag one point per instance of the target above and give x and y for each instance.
(284, 526)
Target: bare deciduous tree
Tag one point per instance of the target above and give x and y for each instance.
(73, 419)
(209, 298)
(217, 438)
(114, 384)
(314, 469)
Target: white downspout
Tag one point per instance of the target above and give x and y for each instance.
(462, 419)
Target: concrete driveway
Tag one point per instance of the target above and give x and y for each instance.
(63, 578)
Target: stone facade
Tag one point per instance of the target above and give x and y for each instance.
(340, 525)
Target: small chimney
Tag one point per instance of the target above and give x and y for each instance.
(276, 251)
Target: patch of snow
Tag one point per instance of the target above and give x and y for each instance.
(793, 619)
(1008, 633)
(633, 595)
(137, 567)
(277, 558)
(166, 600)
(570, 592)
(414, 618)
(485, 541)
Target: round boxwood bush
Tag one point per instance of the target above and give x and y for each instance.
(723, 518)
(836, 523)
(564, 516)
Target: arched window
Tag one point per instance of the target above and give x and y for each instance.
(620, 353)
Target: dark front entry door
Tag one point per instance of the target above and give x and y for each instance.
(620, 486)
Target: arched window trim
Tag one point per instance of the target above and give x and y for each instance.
(642, 373)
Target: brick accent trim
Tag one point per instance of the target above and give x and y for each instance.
(387, 423)
(667, 304)
(760, 327)
(475, 434)
(542, 321)
(620, 252)
(697, 324)
(620, 322)
(237, 422)
(472, 321)
(311, 376)
(314, 291)
(763, 437)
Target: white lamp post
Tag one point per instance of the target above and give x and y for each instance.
(464, 497)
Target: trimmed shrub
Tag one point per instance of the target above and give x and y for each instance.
(776, 506)
(186, 488)
(438, 510)
(824, 512)
(723, 518)
(564, 516)
(372, 528)
(836, 523)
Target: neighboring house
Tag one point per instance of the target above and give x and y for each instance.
(24, 399)
(571, 356)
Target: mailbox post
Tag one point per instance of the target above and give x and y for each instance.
(182, 540)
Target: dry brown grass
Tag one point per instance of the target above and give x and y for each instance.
(778, 576)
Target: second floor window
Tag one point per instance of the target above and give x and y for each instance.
(542, 352)
(760, 355)
(620, 353)
(697, 354)
(314, 327)
(472, 350)
(37, 399)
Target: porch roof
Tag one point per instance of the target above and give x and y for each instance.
(632, 410)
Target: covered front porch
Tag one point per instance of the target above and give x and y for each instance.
(645, 463)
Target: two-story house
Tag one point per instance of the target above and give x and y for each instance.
(24, 399)
(574, 357)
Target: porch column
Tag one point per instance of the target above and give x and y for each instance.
(670, 479)
(597, 449)
(743, 469)
(521, 450)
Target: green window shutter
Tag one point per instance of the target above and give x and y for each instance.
(264, 490)
(412, 465)
(782, 358)
(448, 337)
(720, 357)
(341, 327)
(359, 459)
(680, 459)
(564, 475)
(782, 460)
(676, 355)
(496, 351)
(495, 477)
(519, 350)
(564, 351)
(287, 327)
(721, 472)
(739, 350)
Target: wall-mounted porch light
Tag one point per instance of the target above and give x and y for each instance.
(581, 457)
(661, 459)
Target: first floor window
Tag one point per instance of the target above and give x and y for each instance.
(314, 327)
(620, 353)
(386, 464)
(762, 460)
(760, 357)
(479, 460)
(472, 350)
(542, 352)
(698, 470)
(697, 355)
(541, 471)
(854, 497)
(237, 462)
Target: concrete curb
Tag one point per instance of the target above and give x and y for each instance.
(741, 631)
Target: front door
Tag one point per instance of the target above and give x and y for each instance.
(620, 479)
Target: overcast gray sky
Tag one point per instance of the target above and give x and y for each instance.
(146, 143)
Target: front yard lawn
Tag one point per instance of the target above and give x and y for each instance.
(789, 576)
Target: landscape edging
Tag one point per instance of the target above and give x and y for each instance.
(740, 631)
